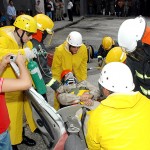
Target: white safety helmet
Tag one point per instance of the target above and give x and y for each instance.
(74, 39)
(117, 77)
(130, 32)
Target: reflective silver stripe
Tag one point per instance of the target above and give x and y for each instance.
(51, 82)
(122, 55)
(141, 76)
(146, 92)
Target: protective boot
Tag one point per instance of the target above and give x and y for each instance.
(14, 147)
(26, 140)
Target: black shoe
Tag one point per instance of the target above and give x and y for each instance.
(28, 141)
(37, 131)
(14, 147)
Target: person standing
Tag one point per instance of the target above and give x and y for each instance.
(120, 8)
(11, 12)
(9, 85)
(13, 39)
(38, 7)
(48, 8)
(57, 14)
(61, 9)
(52, 10)
(72, 55)
(121, 121)
(69, 8)
(3, 19)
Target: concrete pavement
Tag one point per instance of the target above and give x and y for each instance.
(58, 25)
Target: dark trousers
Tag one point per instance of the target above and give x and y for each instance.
(70, 14)
(53, 15)
(12, 21)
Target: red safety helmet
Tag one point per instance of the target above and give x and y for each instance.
(64, 73)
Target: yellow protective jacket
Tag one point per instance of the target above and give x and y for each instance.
(120, 122)
(16, 102)
(64, 60)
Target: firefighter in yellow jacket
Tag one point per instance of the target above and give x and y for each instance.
(72, 55)
(12, 40)
(121, 121)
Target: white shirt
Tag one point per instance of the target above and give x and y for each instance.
(11, 11)
(70, 5)
(52, 9)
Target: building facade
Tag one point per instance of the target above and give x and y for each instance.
(84, 7)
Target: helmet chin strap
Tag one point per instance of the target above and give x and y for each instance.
(21, 37)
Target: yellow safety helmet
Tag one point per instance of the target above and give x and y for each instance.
(107, 42)
(26, 23)
(44, 23)
(116, 54)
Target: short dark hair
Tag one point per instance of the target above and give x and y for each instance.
(10, 1)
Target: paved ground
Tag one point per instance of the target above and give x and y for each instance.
(107, 25)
